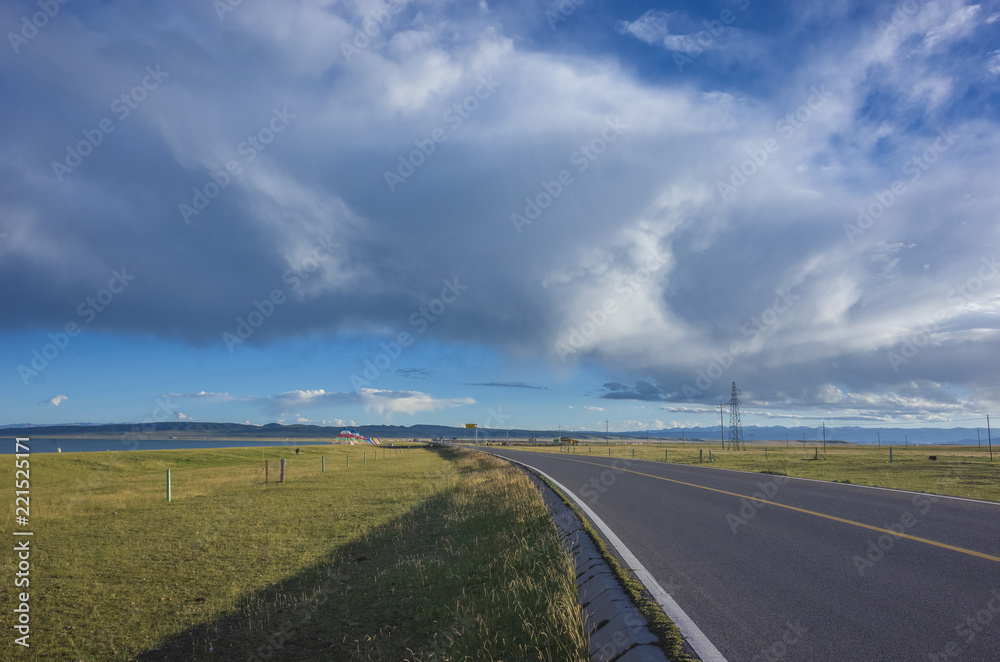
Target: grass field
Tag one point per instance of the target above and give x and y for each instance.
(958, 471)
(418, 555)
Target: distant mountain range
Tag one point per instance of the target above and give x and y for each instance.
(191, 429)
(197, 429)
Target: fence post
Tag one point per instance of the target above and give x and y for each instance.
(699, 456)
(890, 454)
(282, 479)
(322, 464)
(168, 485)
(364, 457)
(265, 472)
(665, 451)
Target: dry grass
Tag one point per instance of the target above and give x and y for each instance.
(425, 555)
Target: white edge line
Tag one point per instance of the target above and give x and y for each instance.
(699, 642)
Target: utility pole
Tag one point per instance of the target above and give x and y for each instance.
(722, 427)
(824, 437)
(989, 436)
(607, 433)
(979, 439)
(879, 433)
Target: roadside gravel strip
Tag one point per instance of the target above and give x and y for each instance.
(618, 631)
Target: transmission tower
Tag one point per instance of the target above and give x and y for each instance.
(735, 426)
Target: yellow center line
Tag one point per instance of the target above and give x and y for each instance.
(897, 534)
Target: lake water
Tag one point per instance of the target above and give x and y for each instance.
(70, 445)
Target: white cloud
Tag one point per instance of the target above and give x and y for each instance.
(993, 64)
(204, 395)
(58, 400)
(687, 410)
(307, 397)
(407, 402)
(383, 402)
(653, 28)
(592, 408)
(629, 426)
(957, 26)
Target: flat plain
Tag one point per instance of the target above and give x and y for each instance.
(401, 555)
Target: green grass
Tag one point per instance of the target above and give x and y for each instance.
(423, 555)
(958, 471)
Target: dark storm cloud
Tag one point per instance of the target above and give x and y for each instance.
(641, 390)
(673, 231)
(414, 373)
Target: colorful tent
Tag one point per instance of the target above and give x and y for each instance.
(349, 436)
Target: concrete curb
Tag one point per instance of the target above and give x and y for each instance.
(617, 630)
(696, 644)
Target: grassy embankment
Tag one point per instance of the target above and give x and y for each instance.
(964, 471)
(420, 555)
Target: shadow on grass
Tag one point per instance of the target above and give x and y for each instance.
(389, 596)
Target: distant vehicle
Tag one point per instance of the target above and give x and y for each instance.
(565, 441)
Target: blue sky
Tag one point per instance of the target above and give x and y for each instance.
(521, 214)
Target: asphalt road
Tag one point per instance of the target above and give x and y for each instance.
(794, 574)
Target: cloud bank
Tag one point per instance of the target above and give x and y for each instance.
(807, 204)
